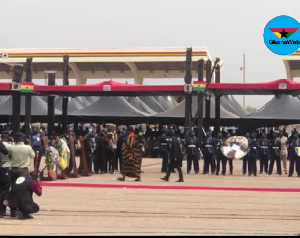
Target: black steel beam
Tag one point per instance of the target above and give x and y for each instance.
(207, 97)
(188, 96)
(200, 100)
(218, 102)
(28, 68)
(65, 99)
(51, 106)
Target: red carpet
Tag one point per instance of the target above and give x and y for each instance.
(137, 186)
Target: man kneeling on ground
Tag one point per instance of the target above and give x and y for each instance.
(20, 198)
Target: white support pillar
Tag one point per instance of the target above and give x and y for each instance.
(138, 79)
(77, 74)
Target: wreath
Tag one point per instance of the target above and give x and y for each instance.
(51, 155)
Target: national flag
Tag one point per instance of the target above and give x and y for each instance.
(199, 86)
(27, 88)
(283, 32)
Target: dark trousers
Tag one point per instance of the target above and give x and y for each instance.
(111, 160)
(119, 160)
(97, 163)
(192, 159)
(219, 160)
(89, 158)
(252, 166)
(165, 161)
(16, 173)
(174, 165)
(294, 164)
(245, 163)
(209, 160)
(224, 165)
(4, 188)
(264, 163)
(30, 208)
(278, 164)
(38, 156)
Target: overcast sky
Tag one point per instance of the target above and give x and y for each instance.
(228, 28)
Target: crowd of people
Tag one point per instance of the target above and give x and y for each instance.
(109, 150)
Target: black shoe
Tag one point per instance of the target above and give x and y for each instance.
(188, 172)
(20, 215)
(217, 174)
(180, 181)
(165, 179)
(121, 179)
(13, 214)
(28, 217)
(290, 175)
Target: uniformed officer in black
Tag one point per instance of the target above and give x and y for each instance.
(209, 154)
(246, 158)
(225, 160)
(294, 157)
(275, 155)
(164, 149)
(264, 153)
(192, 150)
(219, 155)
(175, 158)
(252, 155)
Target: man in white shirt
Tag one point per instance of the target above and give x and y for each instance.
(21, 158)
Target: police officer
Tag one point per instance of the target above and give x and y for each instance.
(20, 154)
(294, 155)
(225, 160)
(264, 153)
(246, 158)
(37, 145)
(219, 155)
(164, 149)
(209, 154)
(192, 149)
(5, 165)
(252, 155)
(20, 198)
(175, 158)
(275, 155)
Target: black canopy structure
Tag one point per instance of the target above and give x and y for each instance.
(110, 109)
(73, 104)
(39, 109)
(82, 101)
(177, 114)
(152, 103)
(91, 99)
(282, 107)
(165, 102)
(230, 104)
(140, 105)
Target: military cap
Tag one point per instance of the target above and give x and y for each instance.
(5, 132)
(19, 134)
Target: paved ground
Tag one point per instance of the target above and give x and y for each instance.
(122, 211)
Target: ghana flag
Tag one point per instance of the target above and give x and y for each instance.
(199, 86)
(27, 88)
(283, 32)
